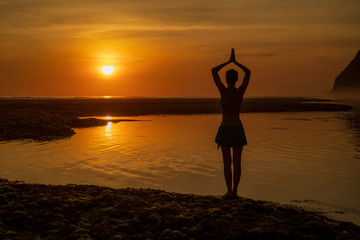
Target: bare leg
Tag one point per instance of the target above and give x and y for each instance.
(226, 152)
(237, 167)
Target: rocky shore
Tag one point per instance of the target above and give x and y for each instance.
(34, 211)
(20, 124)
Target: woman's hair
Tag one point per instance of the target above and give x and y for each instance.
(231, 77)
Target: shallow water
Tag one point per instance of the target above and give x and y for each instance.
(308, 159)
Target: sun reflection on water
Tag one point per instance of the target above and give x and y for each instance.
(108, 129)
(287, 158)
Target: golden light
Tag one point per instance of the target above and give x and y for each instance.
(107, 70)
(108, 129)
(107, 118)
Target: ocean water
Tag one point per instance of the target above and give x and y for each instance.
(309, 159)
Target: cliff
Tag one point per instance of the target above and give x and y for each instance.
(348, 81)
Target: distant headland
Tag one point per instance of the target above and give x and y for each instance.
(347, 83)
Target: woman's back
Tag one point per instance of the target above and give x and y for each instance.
(231, 134)
(231, 100)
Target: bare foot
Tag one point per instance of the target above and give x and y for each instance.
(228, 195)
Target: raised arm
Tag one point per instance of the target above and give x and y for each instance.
(216, 77)
(246, 79)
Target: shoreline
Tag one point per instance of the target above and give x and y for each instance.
(48, 119)
(158, 106)
(30, 211)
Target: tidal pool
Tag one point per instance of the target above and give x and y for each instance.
(310, 159)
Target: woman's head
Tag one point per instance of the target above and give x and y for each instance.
(231, 77)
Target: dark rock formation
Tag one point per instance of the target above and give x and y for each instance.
(348, 80)
(33, 124)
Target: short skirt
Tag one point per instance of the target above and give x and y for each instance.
(231, 136)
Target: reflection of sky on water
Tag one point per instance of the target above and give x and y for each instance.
(290, 156)
(353, 123)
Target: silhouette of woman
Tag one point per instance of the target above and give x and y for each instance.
(231, 134)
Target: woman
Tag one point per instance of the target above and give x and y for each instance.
(231, 133)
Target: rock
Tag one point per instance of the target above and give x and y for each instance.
(33, 124)
(130, 213)
(348, 81)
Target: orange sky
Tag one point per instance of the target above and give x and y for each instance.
(167, 48)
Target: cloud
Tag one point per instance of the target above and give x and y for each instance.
(195, 33)
(259, 55)
(136, 59)
(176, 13)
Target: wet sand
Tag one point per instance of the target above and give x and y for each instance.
(34, 211)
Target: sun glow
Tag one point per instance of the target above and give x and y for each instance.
(107, 70)
(108, 129)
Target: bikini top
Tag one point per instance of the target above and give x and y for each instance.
(224, 104)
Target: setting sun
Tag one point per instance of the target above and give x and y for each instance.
(107, 70)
